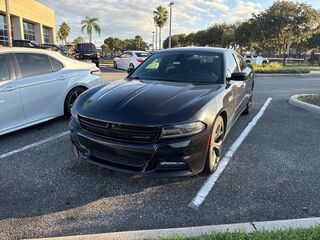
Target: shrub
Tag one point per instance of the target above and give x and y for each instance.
(278, 68)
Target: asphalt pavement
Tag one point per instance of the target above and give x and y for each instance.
(45, 191)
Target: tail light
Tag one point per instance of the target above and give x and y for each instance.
(140, 60)
(77, 55)
(96, 71)
(97, 55)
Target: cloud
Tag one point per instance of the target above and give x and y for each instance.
(128, 18)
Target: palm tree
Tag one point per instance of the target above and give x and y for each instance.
(91, 24)
(63, 32)
(160, 17)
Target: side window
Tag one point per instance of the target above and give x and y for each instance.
(123, 55)
(240, 62)
(232, 65)
(31, 64)
(129, 55)
(56, 65)
(4, 68)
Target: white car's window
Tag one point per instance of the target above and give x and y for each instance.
(4, 68)
(56, 65)
(240, 61)
(31, 64)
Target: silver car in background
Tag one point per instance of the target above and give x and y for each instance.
(38, 85)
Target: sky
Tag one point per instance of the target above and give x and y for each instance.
(128, 18)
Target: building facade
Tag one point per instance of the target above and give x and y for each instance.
(30, 20)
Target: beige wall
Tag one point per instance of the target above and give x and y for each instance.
(31, 11)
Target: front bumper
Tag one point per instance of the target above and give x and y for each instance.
(181, 157)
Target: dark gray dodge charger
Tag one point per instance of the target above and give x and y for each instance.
(168, 117)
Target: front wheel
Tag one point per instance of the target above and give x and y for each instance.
(215, 148)
(71, 98)
(115, 66)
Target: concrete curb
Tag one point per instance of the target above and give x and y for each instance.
(306, 106)
(285, 74)
(198, 231)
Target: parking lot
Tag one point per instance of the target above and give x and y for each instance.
(45, 191)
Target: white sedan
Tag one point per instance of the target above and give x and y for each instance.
(38, 85)
(130, 59)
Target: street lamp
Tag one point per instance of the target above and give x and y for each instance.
(8, 23)
(153, 40)
(156, 38)
(170, 6)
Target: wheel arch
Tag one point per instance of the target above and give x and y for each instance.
(66, 96)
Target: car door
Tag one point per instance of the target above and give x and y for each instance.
(11, 110)
(42, 88)
(232, 66)
(245, 89)
(127, 60)
(120, 61)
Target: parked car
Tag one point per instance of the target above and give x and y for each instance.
(87, 52)
(130, 59)
(169, 117)
(68, 49)
(37, 85)
(25, 43)
(259, 60)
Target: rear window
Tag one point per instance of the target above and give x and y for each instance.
(56, 65)
(143, 54)
(86, 47)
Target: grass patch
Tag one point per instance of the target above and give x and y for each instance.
(278, 68)
(106, 61)
(312, 99)
(291, 234)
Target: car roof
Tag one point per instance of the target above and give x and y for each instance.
(25, 50)
(198, 49)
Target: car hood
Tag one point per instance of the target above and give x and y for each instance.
(145, 102)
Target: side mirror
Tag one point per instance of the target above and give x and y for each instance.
(130, 69)
(238, 76)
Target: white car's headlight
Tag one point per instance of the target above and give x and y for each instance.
(182, 130)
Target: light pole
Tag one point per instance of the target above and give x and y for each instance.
(170, 5)
(156, 38)
(153, 41)
(8, 23)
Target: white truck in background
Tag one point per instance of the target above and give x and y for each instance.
(259, 60)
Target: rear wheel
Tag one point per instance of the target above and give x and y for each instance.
(247, 110)
(215, 148)
(131, 66)
(71, 98)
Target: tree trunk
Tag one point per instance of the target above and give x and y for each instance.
(90, 37)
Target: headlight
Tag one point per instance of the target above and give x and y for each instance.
(74, 115)
(182, 130)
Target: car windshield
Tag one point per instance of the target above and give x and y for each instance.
(86, 47)
(194, 67)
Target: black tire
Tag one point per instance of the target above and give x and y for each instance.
(264, 63)
(247, 110)
(215, 146)
(97, 64)
(131, 66)
(248, 61)
(115, 66)
(71, 98)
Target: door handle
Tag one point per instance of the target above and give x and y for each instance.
(9, 89)
(62, 78)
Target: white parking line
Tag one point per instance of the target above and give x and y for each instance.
(34, 144)
(207, 186)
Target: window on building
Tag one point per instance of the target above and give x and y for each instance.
(3, 31)
(31, 64)
(29, 31)
(46, 35)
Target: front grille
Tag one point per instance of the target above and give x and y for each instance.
(120, 132)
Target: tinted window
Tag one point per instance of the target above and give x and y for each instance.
(142, 54)
(56, 65)
(4, 68)
(232, 65)
(86, 47)
(240, 61)
(194, 67)
(33, 64)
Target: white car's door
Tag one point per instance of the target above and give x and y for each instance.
(127, 60)
(11, 110)
(121, 60)
(42, 85)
